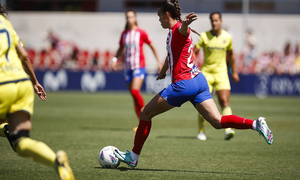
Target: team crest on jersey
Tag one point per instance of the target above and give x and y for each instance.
(224, 41)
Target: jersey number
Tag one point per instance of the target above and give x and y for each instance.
(4, 45)
(189, 63)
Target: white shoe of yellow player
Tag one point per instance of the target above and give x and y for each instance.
(229, 133)
(201, 136)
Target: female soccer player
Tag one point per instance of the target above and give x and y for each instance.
(132, 40)
(217, 45)
(17, 98)
(188, 84)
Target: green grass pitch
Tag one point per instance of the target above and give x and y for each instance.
(82, 124)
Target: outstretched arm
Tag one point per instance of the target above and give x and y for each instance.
(186, 22)
(28, 67)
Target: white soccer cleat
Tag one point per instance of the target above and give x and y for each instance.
(229, 133)
(264, 130)
(125, 157)
(201, 136)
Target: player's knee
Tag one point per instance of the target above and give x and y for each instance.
(145, 115)
(216, 122)
(223, 102)
(217, 126)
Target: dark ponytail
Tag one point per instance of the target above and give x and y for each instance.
(173, 7)
(3, 11)
(177, 9)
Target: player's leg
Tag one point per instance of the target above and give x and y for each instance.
(223, 98)
(19, 127)
(206, 106)
(8, 95)
(201, 121)
(209, 111)
(222, 87)
(135, 79)
(156, 106)
(135, 90)
(201, 124)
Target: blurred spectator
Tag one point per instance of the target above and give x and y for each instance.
(96, 61)
(250, 41)
(288, 60)
(67, 55)
(297, 56)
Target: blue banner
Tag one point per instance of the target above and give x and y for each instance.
(88, 81)
(264, 85)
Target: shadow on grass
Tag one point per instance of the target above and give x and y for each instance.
(105, 128)
(172, 170)
(188, 137)
(177, 137)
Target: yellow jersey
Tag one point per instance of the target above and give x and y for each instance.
(11, 69)
(215, 49)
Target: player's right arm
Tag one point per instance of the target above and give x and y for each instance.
(115, 59)
(38, 88)
(163, 73)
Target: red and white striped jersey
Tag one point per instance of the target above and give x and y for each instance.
(133, 41)
(180, 55)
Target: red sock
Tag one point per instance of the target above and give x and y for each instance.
(233, 121)
(138, 101)
(141, 136)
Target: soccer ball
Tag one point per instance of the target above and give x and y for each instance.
(107, 159)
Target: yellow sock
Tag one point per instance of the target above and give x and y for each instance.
(227, 111)
(201, 123)
(39, 151)
(1, 129)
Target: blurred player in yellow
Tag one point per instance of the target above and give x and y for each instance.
(16, 102)
(217, 46)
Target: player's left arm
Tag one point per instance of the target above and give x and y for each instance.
(38, 88)
(186, 22)
(235, 75)
(159, 65)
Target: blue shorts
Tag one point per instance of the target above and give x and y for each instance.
(194, 90)
(130, 74)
